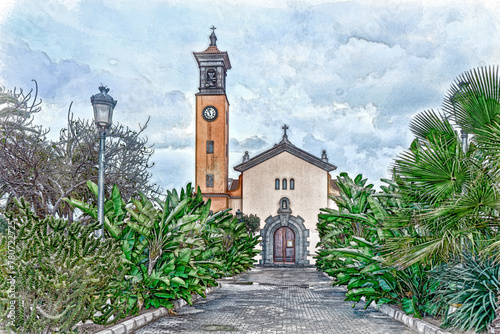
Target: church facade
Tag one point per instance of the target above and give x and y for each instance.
(284, 186)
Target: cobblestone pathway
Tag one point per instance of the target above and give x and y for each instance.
(277, 300)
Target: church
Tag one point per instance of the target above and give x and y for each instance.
(284, 186)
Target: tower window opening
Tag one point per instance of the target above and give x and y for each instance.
(277, 184)
(284, 184)
(210, 180)
(292, 184)
(210, 146)
(211, 78)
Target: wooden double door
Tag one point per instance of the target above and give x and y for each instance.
(284, 246)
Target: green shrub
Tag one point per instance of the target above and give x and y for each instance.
(3, 224)
(61, 271)
(351, 248)
(416, 288)
(472, 283)
(350, 243)
(361, 269)
(252, 222)
(162, 241)
(237, 249)
(175, 248)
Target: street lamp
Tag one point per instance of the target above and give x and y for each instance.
(103, 114)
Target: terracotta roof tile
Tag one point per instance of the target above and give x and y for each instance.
(213, 49)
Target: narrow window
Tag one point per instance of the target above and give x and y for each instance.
(292, 184)
(227, 150)
(284, 204)
(210, 146)
(277, 184)
(284, 184)
(210, 180)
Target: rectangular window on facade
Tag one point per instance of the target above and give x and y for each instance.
(210, 146)
(210, 180)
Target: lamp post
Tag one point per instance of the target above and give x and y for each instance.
(103, 105)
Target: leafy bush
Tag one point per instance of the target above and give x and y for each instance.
(416, 288)
(351, 248)
(175, 248)
(61, 271)
(472, 283)
(441, 205)
(238, 247)
(364, 274)
(252, 222)
(3, 224)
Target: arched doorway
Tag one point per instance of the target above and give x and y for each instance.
(284, 245)
(301, 234)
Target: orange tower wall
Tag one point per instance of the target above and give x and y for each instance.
(216, 163)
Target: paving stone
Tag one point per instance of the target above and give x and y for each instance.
(279, 301)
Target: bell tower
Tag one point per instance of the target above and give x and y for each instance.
(212, 125)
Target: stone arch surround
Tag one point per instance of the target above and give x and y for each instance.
(301, 235)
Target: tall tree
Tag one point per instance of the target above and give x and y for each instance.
(45, 172)
(77, 155)
(24, 155)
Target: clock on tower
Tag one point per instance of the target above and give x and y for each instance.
(212, 125)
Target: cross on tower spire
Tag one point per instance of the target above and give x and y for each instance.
(213, 38)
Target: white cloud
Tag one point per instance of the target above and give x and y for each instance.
(5, 7)
(345, 76)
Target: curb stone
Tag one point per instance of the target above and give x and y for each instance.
(416, 324)
(139, 321)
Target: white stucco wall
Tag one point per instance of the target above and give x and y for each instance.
(310, 193)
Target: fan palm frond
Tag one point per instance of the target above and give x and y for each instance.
(473, 99)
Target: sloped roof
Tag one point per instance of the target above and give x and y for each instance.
(334, 185)
(210, 53)
(284, 146)
(234, 185)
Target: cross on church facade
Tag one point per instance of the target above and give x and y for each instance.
(213, 29)
(284, 127)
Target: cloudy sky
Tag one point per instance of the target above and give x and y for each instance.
(346, 76)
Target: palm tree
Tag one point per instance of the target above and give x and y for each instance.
(453, 185)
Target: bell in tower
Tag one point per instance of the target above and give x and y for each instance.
(213, 65)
